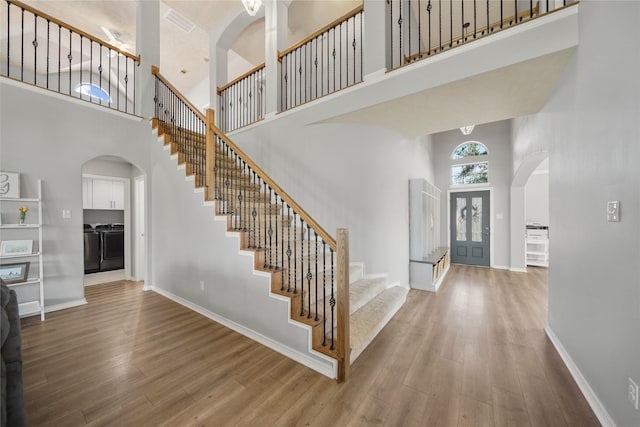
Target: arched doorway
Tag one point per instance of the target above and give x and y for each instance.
(113, 194)
(518, 212)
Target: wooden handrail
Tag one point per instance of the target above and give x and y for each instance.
(156, 72)
(74, 29)
(535, 12)
(321, 31)
(237, 79)
(331, 242)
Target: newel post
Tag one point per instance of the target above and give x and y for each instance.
(344, 345)
(210, 155)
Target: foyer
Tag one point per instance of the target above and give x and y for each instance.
(475, 353)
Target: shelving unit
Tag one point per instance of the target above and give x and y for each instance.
(538, 245)
(27, 307)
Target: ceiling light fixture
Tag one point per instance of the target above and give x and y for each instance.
(466, 130)
(252, 6)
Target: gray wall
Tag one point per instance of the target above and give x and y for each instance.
(590, 125)
(497, 137)
(350, 176)
(51, 137)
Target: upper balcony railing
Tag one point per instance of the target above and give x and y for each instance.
(242, 101)
(43, 51)
(418, 29)
(326, 61)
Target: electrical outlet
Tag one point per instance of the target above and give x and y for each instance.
(613, 211)
(633, 393)
(201, 285)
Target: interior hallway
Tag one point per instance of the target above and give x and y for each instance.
(475, 353)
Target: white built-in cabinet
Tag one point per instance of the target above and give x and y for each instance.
(31, 291)
(538, 246)
(102, 193)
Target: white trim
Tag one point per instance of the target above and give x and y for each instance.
(597, 406)
(65, 305)
(256, 336)
(518, 270)
(68, 98)
(104, 277)
(500, 267)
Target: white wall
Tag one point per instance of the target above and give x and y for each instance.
(49, 136)
(590, 126)
(350, 176)
(537, 199)
(496, 136)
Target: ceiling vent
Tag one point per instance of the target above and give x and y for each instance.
(182, 22)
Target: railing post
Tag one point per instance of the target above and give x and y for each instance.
(344, 345)
(210, 155)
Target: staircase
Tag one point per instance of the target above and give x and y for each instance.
(343, 308)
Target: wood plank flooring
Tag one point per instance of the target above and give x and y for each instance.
(474, 354)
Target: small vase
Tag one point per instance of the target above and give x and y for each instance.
(22, 220)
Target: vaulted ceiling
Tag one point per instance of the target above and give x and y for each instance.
(184, 55)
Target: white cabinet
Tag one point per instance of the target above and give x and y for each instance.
(538, 246)
(87, 193)
(103, 193)
(30, 292)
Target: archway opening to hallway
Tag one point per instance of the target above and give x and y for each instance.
(530, 184)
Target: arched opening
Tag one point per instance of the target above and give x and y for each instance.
(113, 194)
(518, 209)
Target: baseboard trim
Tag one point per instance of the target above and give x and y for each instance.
(597, 406)
(65, 305)
(518, 270)
(500, 267)
(250, 333)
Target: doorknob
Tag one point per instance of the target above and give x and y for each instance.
(486, 231)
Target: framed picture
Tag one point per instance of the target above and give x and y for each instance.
(10, 185)
(16, 247)
(14, 273)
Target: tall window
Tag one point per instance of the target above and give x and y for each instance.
(475, 171)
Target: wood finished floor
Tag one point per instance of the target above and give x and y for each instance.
(475, 353)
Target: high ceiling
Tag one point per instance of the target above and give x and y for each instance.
(184, 56)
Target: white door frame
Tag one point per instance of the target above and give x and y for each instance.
(139, 238)
(466, 189)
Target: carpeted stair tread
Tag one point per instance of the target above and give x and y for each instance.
(363, 291)
(369, 320)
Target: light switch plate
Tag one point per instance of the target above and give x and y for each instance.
(613, 211)
(66, 214)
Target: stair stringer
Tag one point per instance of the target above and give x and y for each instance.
(327, 365)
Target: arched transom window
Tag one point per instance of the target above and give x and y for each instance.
(469, 167)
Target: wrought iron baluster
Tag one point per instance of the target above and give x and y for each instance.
(266, 230)
(440, 24)
(270, 231)
(35, 49)
(8, 39)
(254, 213)
(324, 293)
(429, 7)
(316, 275)
(400, 52)
(450, 23)
(302, 267)
(59, 55)
(332, 302)
(281, 247)
(21, 46)
(309, 275)
(295, 252)
(288, 248)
